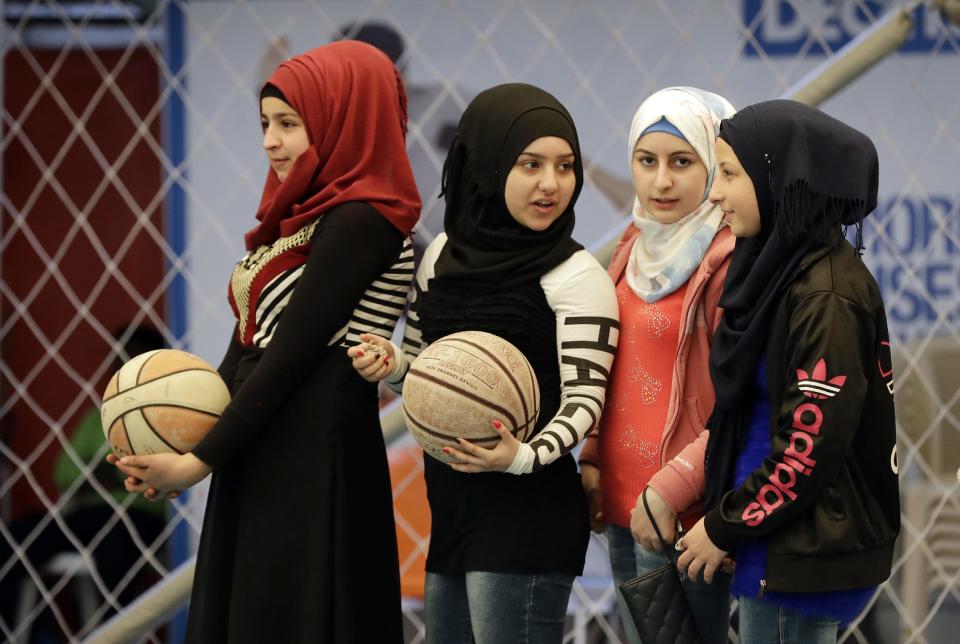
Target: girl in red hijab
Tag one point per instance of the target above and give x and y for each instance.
(298, 539)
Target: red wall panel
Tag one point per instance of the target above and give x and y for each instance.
(66, 215)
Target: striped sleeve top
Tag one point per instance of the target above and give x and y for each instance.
(583, 298)
(264, 280)
(346, 274)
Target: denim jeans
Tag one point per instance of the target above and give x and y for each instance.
(496, 608)
(710, 603)
(766, 623)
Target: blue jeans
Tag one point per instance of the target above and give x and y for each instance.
(710, 603)
(496, 608)
(766, 623)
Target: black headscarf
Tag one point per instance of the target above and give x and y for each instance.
(812, 174)
(485, 245)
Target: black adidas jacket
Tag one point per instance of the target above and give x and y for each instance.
(827, 498)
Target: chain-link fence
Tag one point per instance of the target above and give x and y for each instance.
(131, 166)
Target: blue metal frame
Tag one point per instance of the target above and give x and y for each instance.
(174, 135)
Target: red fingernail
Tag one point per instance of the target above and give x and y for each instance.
(497, 424)
(360, 353)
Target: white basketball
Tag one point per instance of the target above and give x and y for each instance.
(161, 401)
(463, 381)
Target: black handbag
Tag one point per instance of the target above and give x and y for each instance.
(657, 602)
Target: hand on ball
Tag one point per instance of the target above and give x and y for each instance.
(373, 358)
(473, 458)
(133, 484)
(159, 476)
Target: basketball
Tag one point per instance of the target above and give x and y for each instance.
(161, 401)
(462, 382)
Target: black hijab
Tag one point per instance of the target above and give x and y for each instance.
(485, 245)
(812, 174)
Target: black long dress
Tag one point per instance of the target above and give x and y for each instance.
(298, 541)
(494, 521)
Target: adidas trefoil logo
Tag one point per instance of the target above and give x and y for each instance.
(818, 386)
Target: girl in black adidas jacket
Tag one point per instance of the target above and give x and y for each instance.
(801, 464)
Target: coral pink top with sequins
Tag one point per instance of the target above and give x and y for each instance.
(686, 391)
(637, 398)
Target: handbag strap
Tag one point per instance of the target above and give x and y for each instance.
(668, 548)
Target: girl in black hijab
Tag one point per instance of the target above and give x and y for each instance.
(801, 463)
(509, 524)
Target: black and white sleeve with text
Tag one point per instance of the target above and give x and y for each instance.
(583, 298)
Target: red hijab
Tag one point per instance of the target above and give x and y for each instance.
(352, 102)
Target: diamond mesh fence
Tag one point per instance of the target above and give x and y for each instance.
(131, 167)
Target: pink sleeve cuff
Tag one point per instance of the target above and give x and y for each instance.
(681, 481)
(674, 487)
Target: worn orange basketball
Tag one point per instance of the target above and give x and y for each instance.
(462, 382)
(161, 401)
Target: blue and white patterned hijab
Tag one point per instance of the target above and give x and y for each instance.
(665, 255)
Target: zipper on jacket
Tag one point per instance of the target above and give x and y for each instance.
(763, 588)
(673, 414)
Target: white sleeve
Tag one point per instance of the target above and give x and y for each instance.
(412, 337)
(584, 300)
